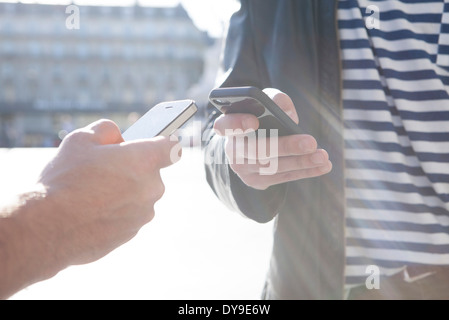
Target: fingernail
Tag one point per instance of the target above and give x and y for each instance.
(317, 158)
(292, 115)
(327, 168)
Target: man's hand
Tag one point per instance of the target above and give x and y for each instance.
(95, 195)
(297, 155)
(104, 189)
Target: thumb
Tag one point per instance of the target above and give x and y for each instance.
(161, 151)
(105, 132)
(284, 102)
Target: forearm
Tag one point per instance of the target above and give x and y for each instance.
(26, 254)
(218, 171)
(92, 197)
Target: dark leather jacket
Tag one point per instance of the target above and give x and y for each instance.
(291, 45)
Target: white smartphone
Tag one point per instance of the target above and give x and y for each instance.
(161, 120)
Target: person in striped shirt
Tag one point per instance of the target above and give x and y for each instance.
(380, 111)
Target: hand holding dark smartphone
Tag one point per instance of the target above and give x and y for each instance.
(254, 101)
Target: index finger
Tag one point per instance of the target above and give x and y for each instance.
(160, 151)
(263, 149)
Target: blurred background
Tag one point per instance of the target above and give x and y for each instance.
(117, 59)
(64, 64)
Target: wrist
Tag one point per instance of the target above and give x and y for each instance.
(27, 245)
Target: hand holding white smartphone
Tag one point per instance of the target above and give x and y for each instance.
(254, 101)
(161, 120)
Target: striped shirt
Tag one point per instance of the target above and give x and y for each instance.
(396, 114)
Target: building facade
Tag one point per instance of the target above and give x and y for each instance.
(62, 67)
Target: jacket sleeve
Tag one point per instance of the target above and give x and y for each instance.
(242, 67)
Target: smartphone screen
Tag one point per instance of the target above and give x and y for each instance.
(161, 120)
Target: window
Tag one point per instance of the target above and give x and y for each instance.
(35, 48)
(82, 51)
(9, 90)
(58, 50)
(8, 48)
(105, 51)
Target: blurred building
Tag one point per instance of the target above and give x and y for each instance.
(120, 62)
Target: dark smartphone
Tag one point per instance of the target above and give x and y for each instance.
(161, 120)
(254, 101)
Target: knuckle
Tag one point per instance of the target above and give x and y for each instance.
(237, 167)
(77, 137)
(157, 190)
(160, 190)
(107, 124)
(148, 215)
(299, 162)
(312, 141)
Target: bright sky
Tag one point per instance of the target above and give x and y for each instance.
(207, 14)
